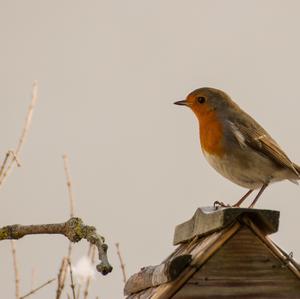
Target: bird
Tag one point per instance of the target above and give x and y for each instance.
(237, 146)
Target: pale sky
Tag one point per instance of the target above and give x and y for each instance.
(108, 73)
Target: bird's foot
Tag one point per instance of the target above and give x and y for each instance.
(221, 204)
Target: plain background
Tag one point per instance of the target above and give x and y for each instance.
(108, 73)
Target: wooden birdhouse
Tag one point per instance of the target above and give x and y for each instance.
(223, 253)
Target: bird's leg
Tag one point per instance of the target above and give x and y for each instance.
(243, 198)
(258, 195)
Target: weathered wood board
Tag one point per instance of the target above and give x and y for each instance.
(207, 220)
(244, 267)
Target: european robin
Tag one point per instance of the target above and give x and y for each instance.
(236, 146)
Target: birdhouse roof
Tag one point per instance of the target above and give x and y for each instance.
(224, 251)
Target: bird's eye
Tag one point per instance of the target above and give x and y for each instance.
(201, 100)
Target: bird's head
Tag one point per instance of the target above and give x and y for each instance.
(205, 100)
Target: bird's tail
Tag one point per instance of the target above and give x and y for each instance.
(297, 168)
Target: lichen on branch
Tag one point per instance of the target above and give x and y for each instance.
(74, 229)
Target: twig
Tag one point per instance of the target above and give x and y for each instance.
(9, 162)
(15, 158)
(7, 156)
(16, 268)
(91, 255)
(70, 247)
(69, 184)
(71, 197)
(38, 288)
(78, 291)
(72, 280)
(28, 118)
(122, 265)
(61, 278)
(74, 229)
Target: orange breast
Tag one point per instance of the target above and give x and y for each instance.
(211, 132)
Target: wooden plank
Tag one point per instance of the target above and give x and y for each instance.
(156, 275)
(208, 220)
(244, 267)
(288, 261)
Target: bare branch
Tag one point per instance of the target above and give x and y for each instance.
(70, 247)
(28, 119)
(11, 159)
(122, 265)
(69, 184)
(6, 159)
(71, 278)
(38, 288)
(74, 229)
(61, 278)
(16, 268)
(71, 200)
(15, 158)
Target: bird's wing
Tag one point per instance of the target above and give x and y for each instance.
(249, 133)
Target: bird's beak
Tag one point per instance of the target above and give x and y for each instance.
(182, 103)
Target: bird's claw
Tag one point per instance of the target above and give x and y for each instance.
(220, 204)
